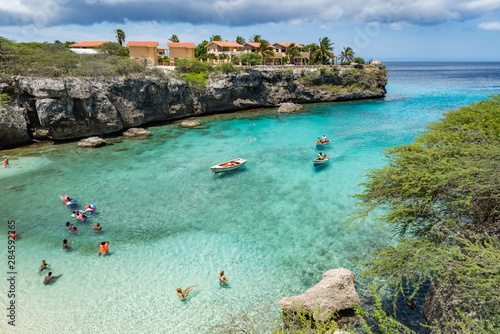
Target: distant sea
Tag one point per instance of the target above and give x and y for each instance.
(274, 226)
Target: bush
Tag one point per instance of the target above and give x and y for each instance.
(345, 63)
(196, 79)
(251, 59)
(358, 60)
(113, 49)
(228, 68)
(188, 65)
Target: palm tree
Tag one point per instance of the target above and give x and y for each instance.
(120, 36)
(266, 50)
(324, 50)
(255, 38)
(240, 40)
(347, 54)
(292, 51)
(174, 39)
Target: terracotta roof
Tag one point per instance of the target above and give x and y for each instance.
(136, 43)
(285, 44)
(162, 48)
(181, 45)
(255, 45)
(88, 44)
(227, 44)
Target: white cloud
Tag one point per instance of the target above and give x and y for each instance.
(495, 25)
(399, 25)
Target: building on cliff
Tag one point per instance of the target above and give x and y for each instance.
(144, 52)
(180, 50)
(86, 47)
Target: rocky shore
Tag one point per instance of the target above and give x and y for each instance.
(71, 108)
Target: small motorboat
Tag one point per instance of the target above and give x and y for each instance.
(324, 143)
(319, 162)
(228, 165)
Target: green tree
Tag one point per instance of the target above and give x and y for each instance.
(114, 49)
(347, 55)
(216, 38)
(359, 60)
(174, 39)
(240, 40)
(255, 39)
(120, 36)
(200, 50)
(324, 50)
(441, 195)
(292, 51)
(266, 51)
(250, 59)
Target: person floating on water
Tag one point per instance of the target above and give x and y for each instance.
(68, 226)
(6, 161)
(74, 230)
(66, 198)
(222, 278)
(184, 294)
(66, 246)
(43, 266)
(321, 156)
(103, 248)
(81, 217)
(49, 278)
(97, 227)
(13, 235)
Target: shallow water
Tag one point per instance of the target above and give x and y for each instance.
(274, 226)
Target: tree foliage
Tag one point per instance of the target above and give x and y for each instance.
(200, 51)
(120, 36)
(441, 194)
(250, 59)
(174, 39)
(347, 55)
(113, 49)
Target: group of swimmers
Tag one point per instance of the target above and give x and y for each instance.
(183, 294)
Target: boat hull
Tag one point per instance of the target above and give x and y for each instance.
(326, 143)
(228, 165)
(318, 162)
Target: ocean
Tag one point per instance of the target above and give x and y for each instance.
(274, 226)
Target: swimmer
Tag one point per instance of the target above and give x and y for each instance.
(68, 226)
(65, 245)
(13, 235)
(43, 266)
(49, 278)
(5, 161)
(74, 229)
(184, 294)
(103, 248)
(66, 198)
(222, 278)
(97, 227)
(81, 217)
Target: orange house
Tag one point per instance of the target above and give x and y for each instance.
(144, 52)
(181, 50)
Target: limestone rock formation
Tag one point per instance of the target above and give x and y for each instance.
(92, 142)
(289, 107)
(333, 294)
(136, 132)
(13, 127)
(189, 123)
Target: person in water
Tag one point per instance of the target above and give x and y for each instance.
(49, 278)
(68, 226)
(184, 294)
(13, 235)
(66, 198)
(81, 217)
(222, 278)
(5, 161)
(97, 227)
(43, 266)
(65, 245)
(74, 229)
(103, 248)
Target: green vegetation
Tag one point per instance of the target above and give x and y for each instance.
(194, 71)
(120, 36)
(266, 50)
(4, 99)
(323, 51)
(441, 195)
(240, 40)
(250, 59)
(227, 68)
(56, 60)
(358, 60)
(347, 55)
(174, 39)
(200, 51)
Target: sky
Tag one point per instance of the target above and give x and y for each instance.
(387, 30)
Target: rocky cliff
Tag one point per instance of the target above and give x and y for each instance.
(67, 108)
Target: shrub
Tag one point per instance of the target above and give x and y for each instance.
(228, 68)
(251, 59)
(358, 60)
(188, 65)
(196, 79)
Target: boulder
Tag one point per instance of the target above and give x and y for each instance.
(13, 126)
(289, 107)
(189, 123)
(335, 293)
(136, 132)
(92, 142)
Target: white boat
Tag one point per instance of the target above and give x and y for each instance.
(319, 162)
(228, 165)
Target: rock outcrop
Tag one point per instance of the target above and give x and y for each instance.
(92, 142)
(333, 295)
(289, 108)
(68, 108)
(189, 123)
(136, 132)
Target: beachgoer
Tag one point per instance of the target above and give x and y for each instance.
(323, 139)
(222, 278)
(13, 235)
(321, 156)
(103, 248)
(5, 161)
(68, 226)
(66, 198)
(184, 294)
(96, 227)
(81, 217)
(48, 278)
(74, 229)
(43, 266)
(65, 245)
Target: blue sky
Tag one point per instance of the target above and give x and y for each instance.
(388, 30)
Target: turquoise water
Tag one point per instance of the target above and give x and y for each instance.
(274, 226)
